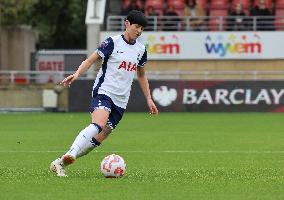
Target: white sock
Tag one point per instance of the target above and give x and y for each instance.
(84, 142)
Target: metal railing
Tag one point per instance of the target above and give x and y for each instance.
(36, 77)
(208, 23)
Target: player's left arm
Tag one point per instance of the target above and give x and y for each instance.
(144, 84)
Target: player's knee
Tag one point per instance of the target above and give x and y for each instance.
(99, 127)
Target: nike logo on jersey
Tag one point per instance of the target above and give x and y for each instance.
(127, 66)
(119, 51)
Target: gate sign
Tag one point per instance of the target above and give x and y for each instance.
(49, 63)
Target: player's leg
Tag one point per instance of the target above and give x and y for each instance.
(103, 134)
(114, 117)
(85, 141)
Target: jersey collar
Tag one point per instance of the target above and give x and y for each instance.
(131, 43)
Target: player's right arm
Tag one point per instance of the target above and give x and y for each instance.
(85, 65)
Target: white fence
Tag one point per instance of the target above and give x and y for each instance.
(27, 77)
(35, 77)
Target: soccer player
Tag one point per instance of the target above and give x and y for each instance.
(123, 56)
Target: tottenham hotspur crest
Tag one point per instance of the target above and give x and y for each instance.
(104, 44)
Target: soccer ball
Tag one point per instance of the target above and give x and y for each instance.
(113, 166)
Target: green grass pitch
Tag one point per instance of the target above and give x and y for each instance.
(172, 156)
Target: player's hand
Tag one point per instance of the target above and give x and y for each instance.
(152, 107)
(69, 79)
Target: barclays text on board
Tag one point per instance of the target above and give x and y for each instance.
(213, 96)
(233, 97)
(196, 96)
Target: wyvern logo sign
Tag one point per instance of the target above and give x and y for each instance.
(163, 45)
(244, 44)
(164, 96)
(233, 97)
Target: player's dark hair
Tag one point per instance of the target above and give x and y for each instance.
(137, 17)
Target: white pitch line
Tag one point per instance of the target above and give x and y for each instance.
(162, 151)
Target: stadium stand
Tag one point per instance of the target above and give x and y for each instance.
(215, 11)
(197, 15)
(245, 3)
(178, 5)
(268, 3)
(202, 3)
(219, 4)
(158, 5)
(217, 20)
(129, 5)
(237, 20)
(279, 4)
(279, 20)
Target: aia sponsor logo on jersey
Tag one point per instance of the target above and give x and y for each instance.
(128, 66)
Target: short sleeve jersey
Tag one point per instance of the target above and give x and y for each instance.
(120, 62)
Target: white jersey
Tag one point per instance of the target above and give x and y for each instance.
(120, 62)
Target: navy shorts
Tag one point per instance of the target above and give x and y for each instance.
(101, 101)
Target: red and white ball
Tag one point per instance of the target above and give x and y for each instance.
(113, 166)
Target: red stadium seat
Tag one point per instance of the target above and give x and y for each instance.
(157, 4)
(216, 22)
(219, 4)
(127, 2)
(279, 20)
(160, 11)
(269, 3)
(177, 4)
(180, 12)
(245, 3)
(279, 4)
(202, 3)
